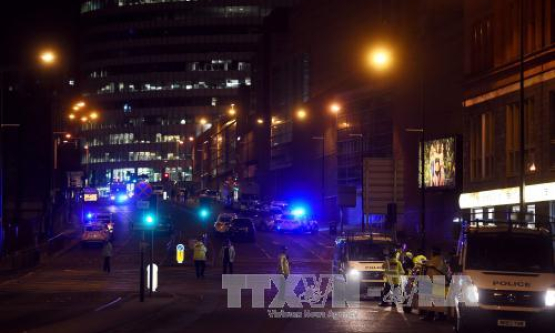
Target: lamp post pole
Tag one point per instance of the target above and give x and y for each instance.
(522, 183)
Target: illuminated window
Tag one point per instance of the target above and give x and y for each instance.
(512, 143)
(481, 146)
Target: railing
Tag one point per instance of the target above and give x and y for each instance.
(31, 257)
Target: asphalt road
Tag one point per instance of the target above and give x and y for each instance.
(72, 294)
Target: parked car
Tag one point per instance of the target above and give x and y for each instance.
(293, 223)
(223, 222)
(242, 229)
(263, 221)
(95, 233)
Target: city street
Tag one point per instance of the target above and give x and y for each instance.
(72, 294)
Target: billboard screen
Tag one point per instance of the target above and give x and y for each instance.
(439, 163)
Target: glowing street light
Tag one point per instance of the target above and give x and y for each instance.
(380, 58)
(191, 139)
(68, 136)
(335, 108)
(47, 57)
(71, 116)
(203, 121)
(93, 115)
(84, 119)
(301, 114)
(232, 111)
(260, 121)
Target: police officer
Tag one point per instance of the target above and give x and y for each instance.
(393, 269)
(283, 262)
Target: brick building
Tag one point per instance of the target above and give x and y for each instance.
(493, 59)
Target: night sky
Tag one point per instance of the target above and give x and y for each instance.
(29, 25)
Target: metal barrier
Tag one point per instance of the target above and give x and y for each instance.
(31, 257)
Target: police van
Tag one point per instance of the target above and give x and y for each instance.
(361, 256)
(509, 275)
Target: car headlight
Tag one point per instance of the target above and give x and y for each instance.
(472, 294)
(354, 274)
(550, 297)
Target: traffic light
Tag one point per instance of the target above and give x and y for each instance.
(150, 219)
(204, 213)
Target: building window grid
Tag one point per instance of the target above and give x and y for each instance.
(512, 141)
(481, 146)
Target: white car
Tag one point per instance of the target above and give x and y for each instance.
(293, 223)
(95, 233)
(223, 222)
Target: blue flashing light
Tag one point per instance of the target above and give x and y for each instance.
(204, 213)
(122, 198)
(298, 212)
(89, 216)
(149, 219)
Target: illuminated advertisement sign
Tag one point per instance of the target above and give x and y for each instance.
(439, 163)
(90, 197)
(507, 196)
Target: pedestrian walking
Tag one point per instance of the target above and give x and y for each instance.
(107, 254)
(199, 257)
(227, 254)
(284, 267)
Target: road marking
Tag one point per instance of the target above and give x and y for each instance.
(264, 251)
(107, 305)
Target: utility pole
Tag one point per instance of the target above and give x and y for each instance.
(522, 205)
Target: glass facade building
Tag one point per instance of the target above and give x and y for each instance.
(160, 73)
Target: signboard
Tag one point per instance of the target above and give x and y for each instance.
(90, 197)
(143, 191)
(154, 277)
(383, 184)
(508, 196)
(180, 253)
(439, 163)
(143, 204)
(347, 196)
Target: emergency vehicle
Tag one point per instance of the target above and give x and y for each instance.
(511, 276)
(361, 256)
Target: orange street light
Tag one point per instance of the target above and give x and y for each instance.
(380, 58)
(47, 57)
(68, 136)
(260, 121)
(93, 115)
(84, 119)
(335, 108)
(71, 116)
(203, 121)
(232, 111)
(301, 114)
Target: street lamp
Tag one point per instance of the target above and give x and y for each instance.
(203, 121)
(260, 121)
(335, 108)
(93, 115)
(232, 111)
(301, 114)
(47, 57)
(380, 58)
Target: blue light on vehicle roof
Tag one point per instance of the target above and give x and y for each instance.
(89, 216)
(122, 198)
(299, 211)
